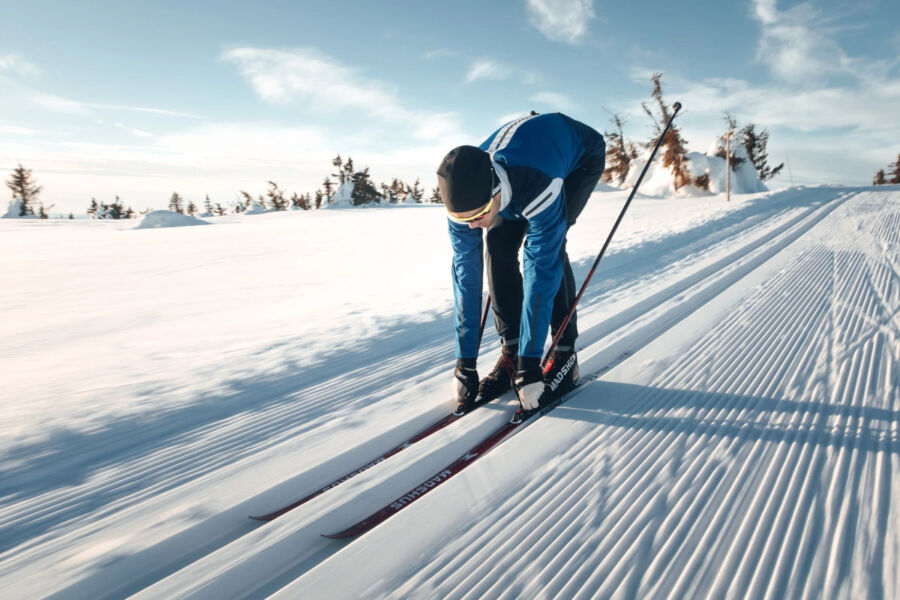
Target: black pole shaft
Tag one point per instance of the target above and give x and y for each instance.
(562, 328)
(484, 315)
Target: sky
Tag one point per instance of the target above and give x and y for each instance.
(103, 98)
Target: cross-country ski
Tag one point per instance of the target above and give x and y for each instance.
(517, 299)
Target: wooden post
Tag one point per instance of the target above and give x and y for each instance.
(728, 166)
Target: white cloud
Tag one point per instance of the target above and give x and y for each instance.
(135, 132)
(561, 20)
(795, 43)
(555, 100)
(65, 105)
(486, 69)
(15, 130)
(327, 85)
(490, 69)
(15, 63)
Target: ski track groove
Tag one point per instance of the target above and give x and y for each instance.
(808, 466)
(765, 526)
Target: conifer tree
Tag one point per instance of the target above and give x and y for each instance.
(755, 143)
(207, 205)
(729, 136)
(71, 216)
(300, 201)
(319, 197)
(436, 196)
(176, 203)
(276, 197)
(240, 206)
(114, 210)
(417, 192)
(895, 172)
(220, 210)
(24, 189)
(191, 208)
(341, 175)
(329, 191)
(94, 207)
(879, 178)
(674, 150)
(618, 157)
(363, 190)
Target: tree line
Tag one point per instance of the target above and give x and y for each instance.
(894, 172)
(620, 152)
(275, 198)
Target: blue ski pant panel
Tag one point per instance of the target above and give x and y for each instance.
(502, 260)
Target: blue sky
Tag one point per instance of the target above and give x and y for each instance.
(140, 99)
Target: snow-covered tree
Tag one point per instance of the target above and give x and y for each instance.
(93, 208)
(24, 189)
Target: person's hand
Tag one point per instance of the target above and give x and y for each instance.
(529, 383)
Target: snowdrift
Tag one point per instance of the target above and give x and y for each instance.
(658, 182)
(167, 218)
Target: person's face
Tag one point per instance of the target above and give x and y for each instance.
(487, 219)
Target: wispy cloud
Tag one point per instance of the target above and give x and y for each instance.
(15, 130)
(490, 69)
(15, 63)
(486, 69)
(327, 85)
(561, 20)
(554, 100)
(66, 105)
(135, 132)
(795, 43)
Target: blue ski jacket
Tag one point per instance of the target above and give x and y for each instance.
(532, 157)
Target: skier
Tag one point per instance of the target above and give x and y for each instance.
(528, 182)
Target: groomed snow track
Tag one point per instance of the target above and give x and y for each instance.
(741, 441)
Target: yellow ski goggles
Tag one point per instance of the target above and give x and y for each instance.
(481, 213)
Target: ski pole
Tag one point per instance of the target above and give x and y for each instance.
(484, 314)
(562, 328)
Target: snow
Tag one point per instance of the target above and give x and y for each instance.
(658, 180)
(14, 210)
(343, 197)
(168, 218)
(741, 438)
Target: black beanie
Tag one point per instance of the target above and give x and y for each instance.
(466, 179)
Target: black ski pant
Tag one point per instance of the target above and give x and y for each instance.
(502, 260)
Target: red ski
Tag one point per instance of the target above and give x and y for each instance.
(429, 484)
(475, 452)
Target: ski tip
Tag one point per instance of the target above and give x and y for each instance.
(261, 518)
(341, 535)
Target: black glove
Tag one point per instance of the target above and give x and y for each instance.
(529, 382)
(465, 382)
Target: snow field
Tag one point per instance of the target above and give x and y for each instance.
(741, 441)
